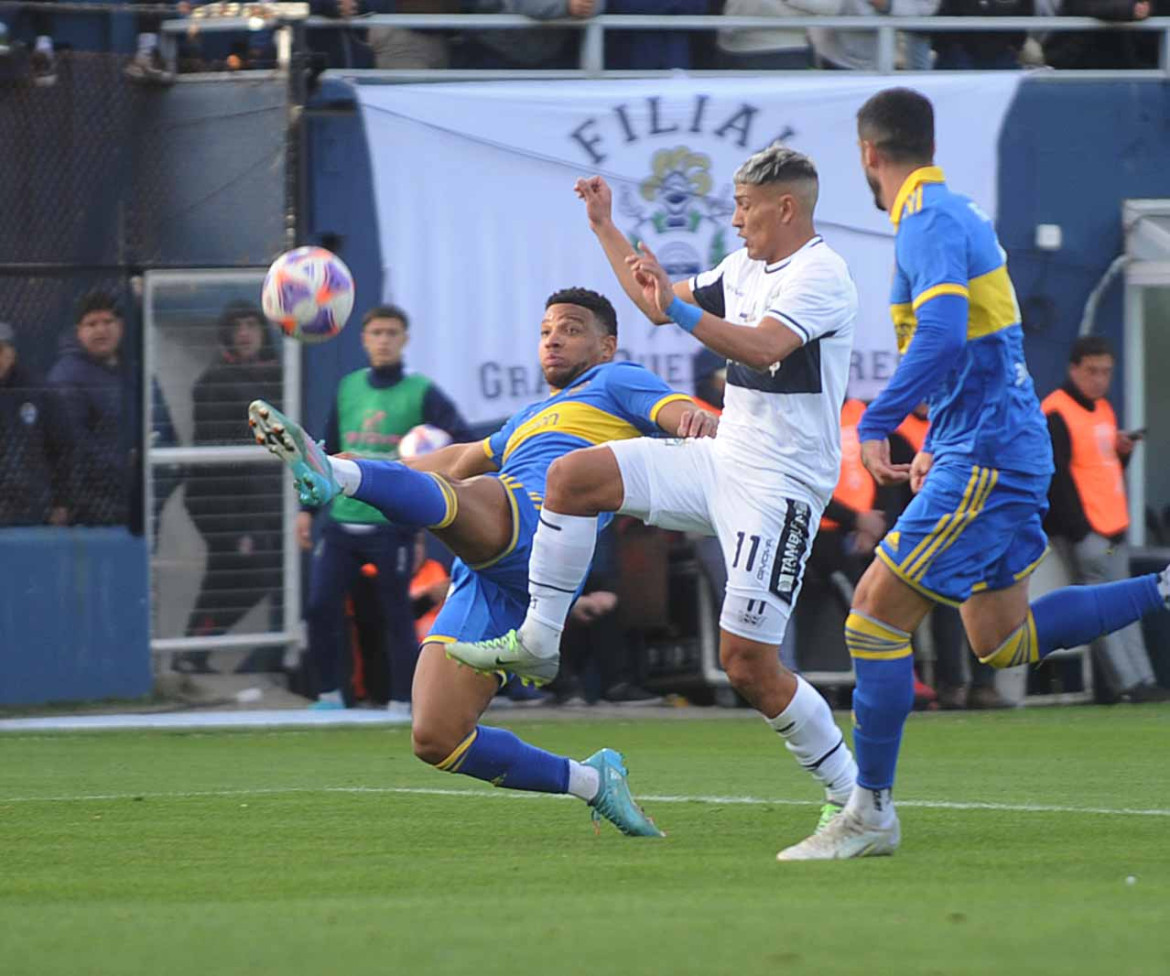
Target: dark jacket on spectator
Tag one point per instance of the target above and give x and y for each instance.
(228, 500)
(34, 450)
(656, 49)
(94, 396)
(983, 47)
(1104, 49)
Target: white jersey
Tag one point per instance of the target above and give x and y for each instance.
(786, 420)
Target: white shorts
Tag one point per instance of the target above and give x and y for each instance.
(765, 530)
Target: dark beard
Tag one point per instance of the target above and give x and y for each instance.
(875, 186)
(562, 379)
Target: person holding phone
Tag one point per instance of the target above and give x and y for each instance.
(1089, 515)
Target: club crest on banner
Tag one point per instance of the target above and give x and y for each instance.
(676, 213)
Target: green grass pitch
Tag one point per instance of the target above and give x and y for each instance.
(336, 852)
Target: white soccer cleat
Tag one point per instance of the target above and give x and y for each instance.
(843, 837)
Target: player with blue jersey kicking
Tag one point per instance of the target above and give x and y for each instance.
(972, 534)
(781, 309)
(483, 500)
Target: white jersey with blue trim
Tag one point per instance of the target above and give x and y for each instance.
(785, 420)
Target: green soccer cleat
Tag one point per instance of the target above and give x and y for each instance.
(312, 472)
(613, 800)
(506, 654)
(828, 812)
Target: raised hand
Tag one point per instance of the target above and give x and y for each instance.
(651, 278)
(598, 199)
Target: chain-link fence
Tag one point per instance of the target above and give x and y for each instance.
(105, 422)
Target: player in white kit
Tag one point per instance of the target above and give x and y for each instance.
(782, 310)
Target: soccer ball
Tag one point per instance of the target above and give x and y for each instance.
(308, 293)
(422, 440)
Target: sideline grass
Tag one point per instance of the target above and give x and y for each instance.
(193, 868)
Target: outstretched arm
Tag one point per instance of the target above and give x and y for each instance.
(598, 199)
(683, 418)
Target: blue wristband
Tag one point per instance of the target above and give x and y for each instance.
(683, 314)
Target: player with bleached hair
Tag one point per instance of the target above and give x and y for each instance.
(782, 310)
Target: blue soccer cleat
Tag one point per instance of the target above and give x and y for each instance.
(614, 801)
(312, 472)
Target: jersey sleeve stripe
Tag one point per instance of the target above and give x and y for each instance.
(486, 443)
(789, 321)
(669, 398)
(947, 288)
(709, 297)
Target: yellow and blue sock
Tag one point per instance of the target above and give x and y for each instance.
(498, 757)
(1076, 615)
(406, 496)
(882, 698)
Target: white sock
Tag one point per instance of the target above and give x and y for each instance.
(584, 781)
(44, 44)
(147, 43)
(872, 807)
(347, 473)
(812, 736)
(562, 550)
(331, 697)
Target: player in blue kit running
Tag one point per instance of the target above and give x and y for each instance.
(972, 535)
(488, 522)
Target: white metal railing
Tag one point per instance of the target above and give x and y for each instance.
(278, 15)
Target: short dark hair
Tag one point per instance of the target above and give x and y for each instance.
(386, 312)
(900, 123)
(96, 301)
(596, 302)
(1089, 345)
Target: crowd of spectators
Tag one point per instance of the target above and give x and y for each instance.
(357, 45)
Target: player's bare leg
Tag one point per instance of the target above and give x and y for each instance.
(884, 614)
(796, 712)
(580, 485)
(447, 701)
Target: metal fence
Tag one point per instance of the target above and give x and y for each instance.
(594, 30)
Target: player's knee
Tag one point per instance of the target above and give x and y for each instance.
(741, 666)
(567, 477)
(433, 742)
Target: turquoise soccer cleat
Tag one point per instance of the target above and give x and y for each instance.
(312, 472)
(614, 801)
(506, 654)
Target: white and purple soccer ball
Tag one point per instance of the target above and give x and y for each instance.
(422, 439)
(308, 293)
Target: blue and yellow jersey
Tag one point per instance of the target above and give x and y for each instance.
(610, 402)
(958, 329)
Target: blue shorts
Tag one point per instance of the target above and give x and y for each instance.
(489, 599)
(970, 529)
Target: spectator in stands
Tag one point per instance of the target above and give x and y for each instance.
(653, 49)
(92, 382)
(34, 445)
(42, 60)
(961, 680)
(236, 507)
(373, 408)
(525, 48)
(413, 48)
(348, 47)
(980, 50)
(1106, 49)
(710, 377)
(774, 48)
(147, 67)
(858, 50)
(1088, 514)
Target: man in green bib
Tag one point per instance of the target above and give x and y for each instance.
(373, 409)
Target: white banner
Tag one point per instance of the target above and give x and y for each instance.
(479, 224)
